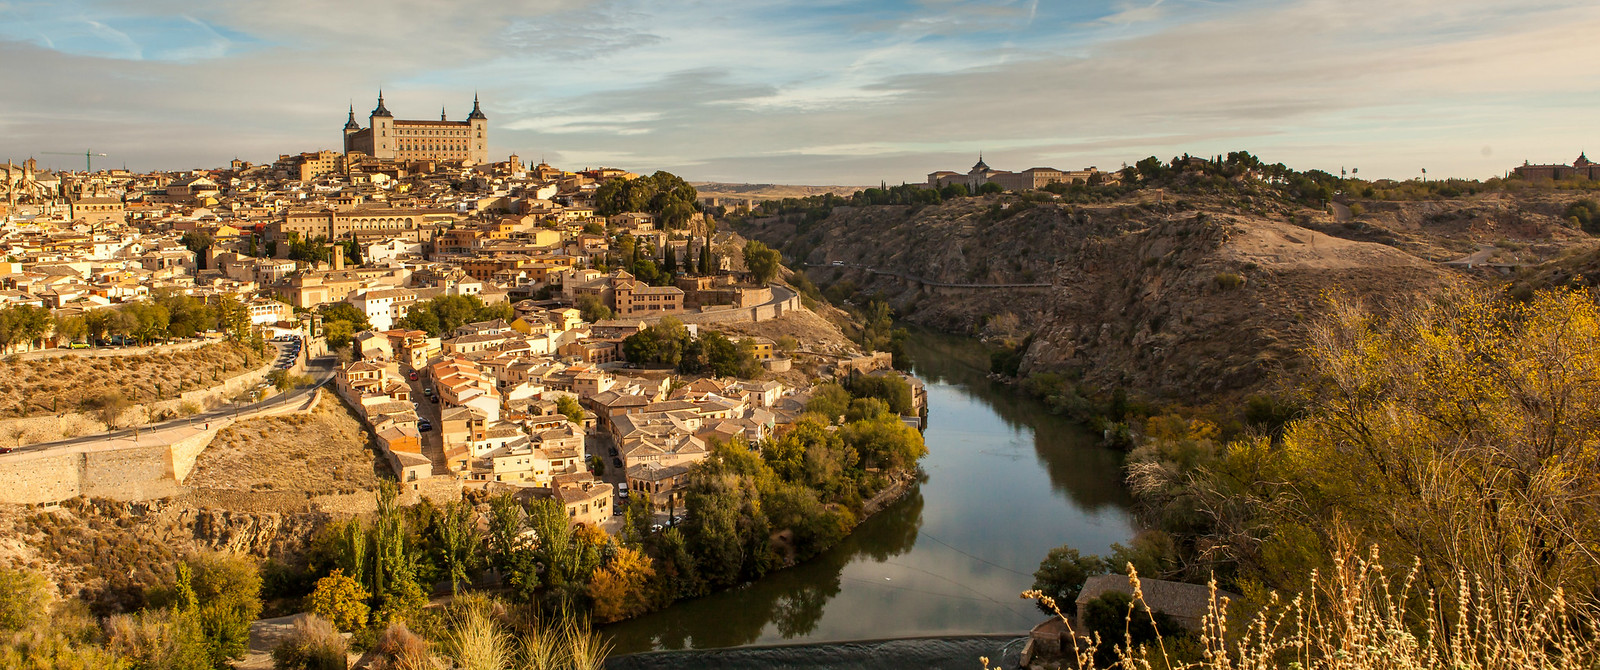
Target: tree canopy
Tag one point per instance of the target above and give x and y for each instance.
(663, 194)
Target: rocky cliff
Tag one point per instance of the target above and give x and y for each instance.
(1195, 299)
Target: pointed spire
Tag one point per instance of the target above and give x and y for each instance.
(381, 110)
(477, 114)
(351, 123)
(441, 113)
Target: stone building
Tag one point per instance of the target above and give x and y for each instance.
(386, 137)
(1579, 169)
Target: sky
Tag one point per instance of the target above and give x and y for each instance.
(816, 92)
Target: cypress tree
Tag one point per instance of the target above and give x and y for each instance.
(671, 263)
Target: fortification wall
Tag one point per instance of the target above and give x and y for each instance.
(37, 429)
(40, 479)
(134, 473)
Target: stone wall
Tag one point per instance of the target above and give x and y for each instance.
(37, 429)
(118, 471)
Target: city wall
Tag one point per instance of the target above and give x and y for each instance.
(765, 312)
(36, 429)
(120, 469)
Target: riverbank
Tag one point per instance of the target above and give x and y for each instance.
(1005, 480)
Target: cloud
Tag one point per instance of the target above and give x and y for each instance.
(770, 91)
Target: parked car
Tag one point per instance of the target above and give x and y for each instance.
(5, 450)
(616, 510)
(433, 399)
(616, 462)
(412, 376)
(655, 527)
(424, 426)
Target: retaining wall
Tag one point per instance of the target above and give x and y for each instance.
(118, 469)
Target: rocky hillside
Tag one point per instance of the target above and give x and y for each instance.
(1193, 298)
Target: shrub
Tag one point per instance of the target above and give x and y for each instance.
(157, 639)
(398, 648)
(341, 600)
(313, 644)
(1228, 281)
(24, 599)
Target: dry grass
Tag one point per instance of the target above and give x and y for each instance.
(325, 452)
(72, 383)
(1362, 618)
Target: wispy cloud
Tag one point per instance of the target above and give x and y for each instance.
(827, 91)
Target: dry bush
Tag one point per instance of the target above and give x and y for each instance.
(1360, 617)
(400, 649)
(312, 644)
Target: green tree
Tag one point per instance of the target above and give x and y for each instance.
(338, 333)
(592, 309)
(456, 536)
(763, 263)
(344, 311)
(1061, 576)
(197, 242)
(71, 327)
(227, 597)
(569, 407)
(24, 599)
(830, 400)
(884, 442)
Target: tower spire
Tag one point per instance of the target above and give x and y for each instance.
(477, 113)
(381, 109)
(441, 113)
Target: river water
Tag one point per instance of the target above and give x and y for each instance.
(1006, 482)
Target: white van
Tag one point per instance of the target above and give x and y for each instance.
(622, 490)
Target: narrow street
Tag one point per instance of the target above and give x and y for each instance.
(428, 410)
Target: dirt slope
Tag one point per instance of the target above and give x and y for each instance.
(1191, 299)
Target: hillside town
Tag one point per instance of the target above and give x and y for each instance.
(363, 254)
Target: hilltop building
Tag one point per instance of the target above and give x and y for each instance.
(1579, 169)
(1026, 180)
(386, 137)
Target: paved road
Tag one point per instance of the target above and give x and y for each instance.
(926, 282)
(433, 440)
(322, 369)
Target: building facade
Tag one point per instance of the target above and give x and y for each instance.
(386, 137)
(1582, 168)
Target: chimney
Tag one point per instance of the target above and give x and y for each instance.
(338, 257)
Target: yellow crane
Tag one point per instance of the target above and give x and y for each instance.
(88, 157)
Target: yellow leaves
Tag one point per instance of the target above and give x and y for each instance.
(1461, 428)
(618, 589)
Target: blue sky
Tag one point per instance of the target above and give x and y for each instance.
(818, 92)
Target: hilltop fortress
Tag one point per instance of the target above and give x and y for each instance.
(386, 137)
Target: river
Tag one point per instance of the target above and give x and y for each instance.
(1006, 482)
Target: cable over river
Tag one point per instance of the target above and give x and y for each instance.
(1006, 482)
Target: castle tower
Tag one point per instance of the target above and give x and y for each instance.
(381, 122)
(478, 149)
(350, 129)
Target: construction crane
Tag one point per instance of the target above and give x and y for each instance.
(88, 157)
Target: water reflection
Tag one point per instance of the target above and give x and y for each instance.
(1006, 481)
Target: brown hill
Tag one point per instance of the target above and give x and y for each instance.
(1195, 299)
